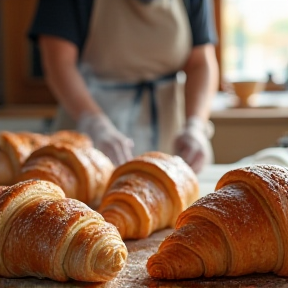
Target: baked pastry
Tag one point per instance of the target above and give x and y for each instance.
(82, 173)
(71, 137)
(15, 147)
(45, 235)
(6, 169)
(239, 229)
(148, 194)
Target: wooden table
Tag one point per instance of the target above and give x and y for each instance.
(134, 275)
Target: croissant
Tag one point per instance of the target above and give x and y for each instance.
(82, 173)
(45, 235)
(15, 147)
(71, 137)
(239, 229)
(148, 193)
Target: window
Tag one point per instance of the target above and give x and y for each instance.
(254, 36)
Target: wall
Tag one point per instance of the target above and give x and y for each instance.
(1, 65)
(20, 87)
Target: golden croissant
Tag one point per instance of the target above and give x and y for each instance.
(71, 137)
(82, 173)
(15, 147)
(239, 229)
(148, 193)
(45, 235)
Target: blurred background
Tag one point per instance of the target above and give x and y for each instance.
(255, 39)
(253, 47)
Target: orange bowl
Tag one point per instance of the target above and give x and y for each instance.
(244, 90)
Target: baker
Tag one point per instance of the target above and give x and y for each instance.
(115, 70)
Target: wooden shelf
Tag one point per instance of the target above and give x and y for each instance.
(249, 114)
(28, 111)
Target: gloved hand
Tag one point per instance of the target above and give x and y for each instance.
(283, 141)
(193, 143)
(106, 137)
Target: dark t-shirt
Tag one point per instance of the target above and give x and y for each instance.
(69, 19)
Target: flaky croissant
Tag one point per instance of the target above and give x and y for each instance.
(82, 173)
(45, 235)
(15, 147)
(72, 137)
(148, 193)
(239, 229)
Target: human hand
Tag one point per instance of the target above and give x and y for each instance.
(193, 143)
(106, 137)
(283, 141)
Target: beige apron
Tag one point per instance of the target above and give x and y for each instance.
(130, 42)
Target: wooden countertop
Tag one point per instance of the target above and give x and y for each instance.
(268, 105)
(251, 113)
(134, 275)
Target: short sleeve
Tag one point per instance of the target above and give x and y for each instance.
(68, 19)
(202, 21)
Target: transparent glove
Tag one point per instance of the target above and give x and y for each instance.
(106, 137)
(193, 143)
(283, 141)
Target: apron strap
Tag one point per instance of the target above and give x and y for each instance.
(188, 7)
(150, 86)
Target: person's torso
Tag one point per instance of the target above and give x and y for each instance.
(132, 41)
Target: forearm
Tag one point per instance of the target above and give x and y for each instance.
(71, 91)
(202, 82)
(59, 60)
